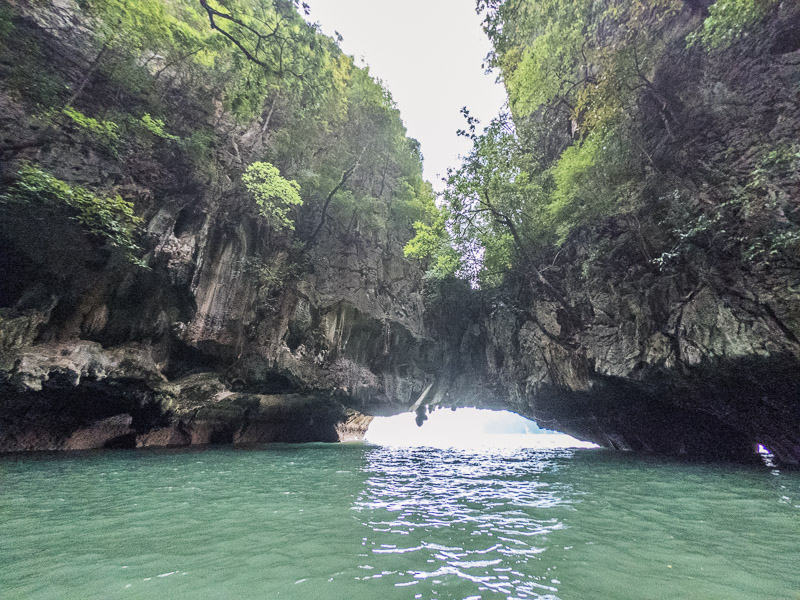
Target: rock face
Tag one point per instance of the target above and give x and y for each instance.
(228, 335)
(677, 328)
(683, 334)
(698, 359)
(78, 395)
(663, 365)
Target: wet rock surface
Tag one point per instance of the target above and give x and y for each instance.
(95, 398)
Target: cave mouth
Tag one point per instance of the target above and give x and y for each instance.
(766, 455)
(466, 428)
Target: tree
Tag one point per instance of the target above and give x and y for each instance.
(274, 195)
(277, 51)
(522, 189)
(729, 20)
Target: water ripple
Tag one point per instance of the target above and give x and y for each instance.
(441, 495)
(358, 522)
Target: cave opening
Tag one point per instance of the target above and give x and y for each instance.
(447, 427)
(766, 455)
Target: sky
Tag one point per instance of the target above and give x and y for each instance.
(428, 53)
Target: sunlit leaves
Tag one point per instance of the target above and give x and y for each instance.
(589, 180)
(108, 218)
(156, 127)
(274, 195)
(487, 210)
(578, 57)
(319, 132)
(728, 20)
(551, 65)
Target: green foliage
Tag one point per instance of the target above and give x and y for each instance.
(267, 275)
(143, 20)
(762, 205)
(156, 127)
(773, 163)
(108, 218)
(199, 146)
(274, 195)
(327, 124)
(578, 57)
(353, 160)
(411, 203)
(432, 244)
(755, 222)
(133, 38)
(729, 20)
(246, 80)
(575, 65)
(590, 178)
(580, 67)
(272, 45)
(101, 133)
(544, 69)
(24, 68)
(104, 131)
(763, 250)
(447, 263)
(495, 208)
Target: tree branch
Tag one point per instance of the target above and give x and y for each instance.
(506, 221)
(212, 13)
(345, 176)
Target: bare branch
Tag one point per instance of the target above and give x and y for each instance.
(345, 176)
(212, 13)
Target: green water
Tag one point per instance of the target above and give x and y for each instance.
(357, 522)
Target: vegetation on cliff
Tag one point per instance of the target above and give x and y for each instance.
(601, 123)
(633, 221)
(39, 196)
(246, 99)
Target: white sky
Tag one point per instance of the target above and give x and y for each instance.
(428, 54)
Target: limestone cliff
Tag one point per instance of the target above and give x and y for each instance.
(234, 334)
(231, 332)
(679, 334)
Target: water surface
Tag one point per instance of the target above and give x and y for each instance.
(366, 522)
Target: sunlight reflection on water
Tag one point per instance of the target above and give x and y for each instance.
(367, 522)
(476, 502)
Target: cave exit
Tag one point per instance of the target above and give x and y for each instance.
(466, 427)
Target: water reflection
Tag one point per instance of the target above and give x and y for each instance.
(361, 522)
(479, 521)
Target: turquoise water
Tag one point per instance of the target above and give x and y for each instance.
(366, 522)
